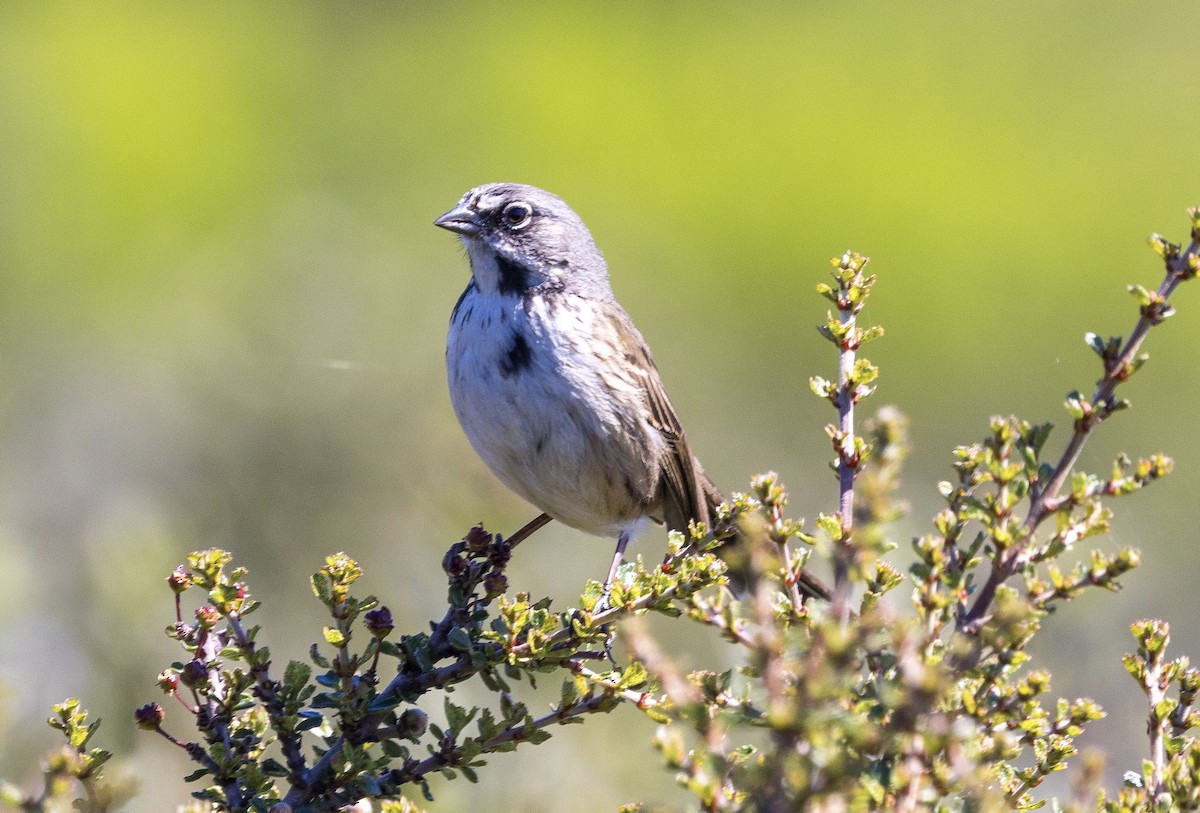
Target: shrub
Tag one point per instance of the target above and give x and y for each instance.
(846, 705)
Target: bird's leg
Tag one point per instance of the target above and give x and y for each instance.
(618, 555)
(604, 602)
(527, 530)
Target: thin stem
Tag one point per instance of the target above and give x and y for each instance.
(917, 773)
(790, 578)
(1047, 501)
(845, 467)
(1103, 397)
(268, 690)
(450, 757)
(775, 678)
(1155, 690)
(643, 700)
(217, 724)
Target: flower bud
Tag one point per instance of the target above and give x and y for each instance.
(500, 554)
(379, 622)
(495, 583)
(194, 674)
(207, 616)
(455, 565)
(179, 580)
(478, 539)
(149, 716)
(168, 681)
(413, 723)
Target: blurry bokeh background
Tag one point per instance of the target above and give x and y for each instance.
(223, 305)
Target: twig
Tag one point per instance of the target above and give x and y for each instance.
(917, 774)
(307, 783)
(217, 724)
(268, 691)
(846, 471)
(1045, 500)
(448, 757)
(849, 295)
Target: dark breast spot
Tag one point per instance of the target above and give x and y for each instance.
(519, 357)
(514, 279)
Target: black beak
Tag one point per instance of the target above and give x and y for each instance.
(460, 220)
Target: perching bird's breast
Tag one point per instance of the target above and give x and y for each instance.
(539, 414)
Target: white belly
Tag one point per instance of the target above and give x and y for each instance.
(541, 416)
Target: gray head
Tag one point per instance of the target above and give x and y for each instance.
(521, 238)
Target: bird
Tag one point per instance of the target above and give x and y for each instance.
(554, 386)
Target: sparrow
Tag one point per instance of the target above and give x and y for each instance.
(552, 383)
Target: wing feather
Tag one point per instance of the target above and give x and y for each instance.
(683, 487)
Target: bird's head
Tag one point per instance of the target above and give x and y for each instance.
(520, 237)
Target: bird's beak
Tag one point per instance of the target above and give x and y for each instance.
(460, 220)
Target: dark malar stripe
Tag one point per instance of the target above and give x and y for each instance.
(514, 278)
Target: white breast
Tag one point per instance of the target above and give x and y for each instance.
(526, 384)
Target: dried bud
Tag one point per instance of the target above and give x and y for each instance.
(477, 539)
(168, 681)
(149, 716)
(455, 565)
(194, 674)
(379, 622)
(500, 553)
(413, 723)
(495, 583)
(179, 580)
(207, 616)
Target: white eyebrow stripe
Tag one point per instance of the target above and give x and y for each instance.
(488, 202)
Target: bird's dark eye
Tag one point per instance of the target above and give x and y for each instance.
(517, 215)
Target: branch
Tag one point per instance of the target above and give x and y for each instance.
(268, 691)
(1118, 367)
(848, 295)
(451, 754)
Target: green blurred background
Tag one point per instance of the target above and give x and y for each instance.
(223, 305)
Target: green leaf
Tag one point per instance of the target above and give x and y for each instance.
(321, 587)
(634, 676)
(831, 525)
(459, 639)
(296, 676)
(309, 720)
(538, 737)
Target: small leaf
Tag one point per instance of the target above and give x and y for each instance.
(459, 639)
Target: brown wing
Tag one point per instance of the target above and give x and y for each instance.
(684, 489)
